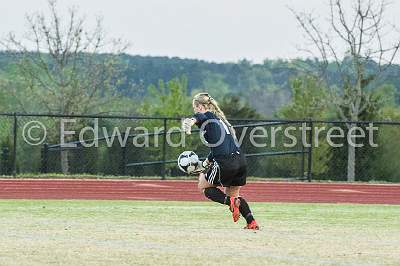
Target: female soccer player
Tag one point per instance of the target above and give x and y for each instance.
(226, 164)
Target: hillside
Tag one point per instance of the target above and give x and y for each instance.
(265, 86)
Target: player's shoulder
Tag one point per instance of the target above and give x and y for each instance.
(210, 115)
(206, 115)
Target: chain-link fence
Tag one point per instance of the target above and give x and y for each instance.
(149, 146)
(373, 155)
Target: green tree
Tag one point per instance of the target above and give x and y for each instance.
(362, 31)
(14, 95)
(215, 84)
(169, 99)
(309, 97)
(309, 100)
(72, 69)
(382, 162)
(235, 107)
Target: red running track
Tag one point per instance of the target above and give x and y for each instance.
(187, 190)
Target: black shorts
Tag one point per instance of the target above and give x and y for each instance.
(229, 170)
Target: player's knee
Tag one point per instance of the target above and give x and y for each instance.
(208, 191)
(200, 187)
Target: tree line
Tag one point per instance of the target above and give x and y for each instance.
(63, 67)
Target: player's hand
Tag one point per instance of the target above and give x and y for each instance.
(202, 166)
(206, 164)
(187, 125)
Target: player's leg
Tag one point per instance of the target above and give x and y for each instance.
(203, 184)
(210, 190)
(244, 207)
(232, 193)
(247, 214)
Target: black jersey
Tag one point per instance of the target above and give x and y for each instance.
(217, 135)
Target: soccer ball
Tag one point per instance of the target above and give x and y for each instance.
(188, 161)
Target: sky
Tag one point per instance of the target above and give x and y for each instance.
(211, 30)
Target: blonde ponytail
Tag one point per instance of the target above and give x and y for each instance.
(212, 105)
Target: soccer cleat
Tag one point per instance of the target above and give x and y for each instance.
(252, 226)
(234, 208)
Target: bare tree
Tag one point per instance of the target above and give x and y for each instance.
(364, 34)
(69, 69)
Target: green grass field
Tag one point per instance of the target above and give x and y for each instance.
(187, 233)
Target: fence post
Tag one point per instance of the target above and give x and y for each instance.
(310, 141)
(4, 161)
(164, 150)
(303, 161)
(15, 131)
(123, 156)
(45, 158)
